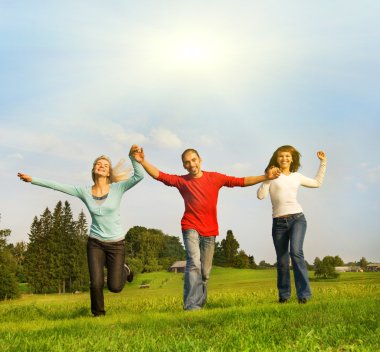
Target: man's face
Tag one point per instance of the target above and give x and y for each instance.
(192, 163)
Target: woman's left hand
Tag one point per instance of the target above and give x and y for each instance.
(273, 173)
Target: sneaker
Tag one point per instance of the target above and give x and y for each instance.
(302, 300)
(129, 273)
(283, 300)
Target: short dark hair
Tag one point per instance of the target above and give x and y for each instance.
(189, 150)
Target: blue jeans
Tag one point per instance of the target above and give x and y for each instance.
(291, 230)
(99, 255)
(199, 255)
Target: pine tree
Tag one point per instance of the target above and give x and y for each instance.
(56, 256)
(18, 252)
(8, 282)
(230, 248)
(219, 257)
(38, 261)
(81, 276)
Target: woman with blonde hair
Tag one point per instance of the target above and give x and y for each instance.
(105, 246)
(289, 222)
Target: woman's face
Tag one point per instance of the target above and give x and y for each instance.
(284, 159)
(102, 168)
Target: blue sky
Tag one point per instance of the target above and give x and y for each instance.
(233, 79)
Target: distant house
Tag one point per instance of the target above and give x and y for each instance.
(373, 267)
(348, 269)
(178, 267)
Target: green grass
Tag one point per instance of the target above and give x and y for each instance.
(242, 314)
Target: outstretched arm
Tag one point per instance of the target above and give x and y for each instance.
(271, 174)
(138, 154)
(68, 189)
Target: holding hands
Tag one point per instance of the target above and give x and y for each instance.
(138, 153)
(272, 173)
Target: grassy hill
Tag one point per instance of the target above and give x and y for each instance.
(242, 314)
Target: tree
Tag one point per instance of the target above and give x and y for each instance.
(264, 265)
(56, 255)
(317, 262)
(8, 282)
(326, 269)
(230, 248)
(81, 275)
(252, 263)
(18, 252)
(37, 261)
(338, 261)
(219, 257)
(241, 260)
(363, 263)
(153, 249)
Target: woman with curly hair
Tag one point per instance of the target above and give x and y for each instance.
(289, 222)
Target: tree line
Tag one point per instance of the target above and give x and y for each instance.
(55, 258)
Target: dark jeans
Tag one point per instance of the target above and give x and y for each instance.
(288, 236)
(105, 254)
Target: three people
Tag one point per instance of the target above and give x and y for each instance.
(199, 190)
(289, 222)
(105, 246)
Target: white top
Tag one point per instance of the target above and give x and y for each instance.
(283, 190)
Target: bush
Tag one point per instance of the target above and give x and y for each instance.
(325, 269)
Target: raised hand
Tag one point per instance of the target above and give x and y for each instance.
(321, 155)
(138, 154)
(24, 177)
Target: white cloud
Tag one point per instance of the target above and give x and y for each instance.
(119, 138)
(16, 156)
(241, 168)
(361, 187)
(165, 138)
(373, 174)
(208, 141)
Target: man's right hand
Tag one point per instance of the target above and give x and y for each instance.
(138, 154)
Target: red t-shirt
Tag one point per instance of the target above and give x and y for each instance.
(200, 196)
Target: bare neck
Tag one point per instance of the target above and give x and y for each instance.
(101, 186)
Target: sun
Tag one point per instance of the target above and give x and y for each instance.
(189, 52)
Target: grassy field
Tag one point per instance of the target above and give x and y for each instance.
(242, 314)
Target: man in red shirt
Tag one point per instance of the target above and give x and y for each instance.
(199, 190)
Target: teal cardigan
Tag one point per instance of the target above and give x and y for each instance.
(105, 217)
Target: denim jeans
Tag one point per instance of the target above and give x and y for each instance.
(291, 230)
(105, 254)
(199, 255)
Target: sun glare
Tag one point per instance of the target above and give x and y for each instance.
(189, 53)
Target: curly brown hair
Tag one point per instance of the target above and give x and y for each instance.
(296, 156)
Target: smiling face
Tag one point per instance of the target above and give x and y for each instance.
(101, 168)
(284, 160)
(192, 163)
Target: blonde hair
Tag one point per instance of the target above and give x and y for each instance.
(118, 173)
